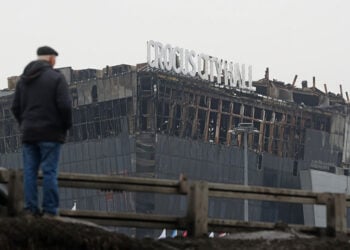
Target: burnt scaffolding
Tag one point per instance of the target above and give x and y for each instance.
(99, 120)
(186, 108)
(190, 108)
(90, 121)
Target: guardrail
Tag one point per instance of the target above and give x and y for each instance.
(196, 222)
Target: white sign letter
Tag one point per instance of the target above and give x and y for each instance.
(218, 66)
(191, 57)
(250, 78)
(158, 59)
(167, 51)
(203, 70)
(177, 60)
(212, 62)
(150, 48)
(243, 85)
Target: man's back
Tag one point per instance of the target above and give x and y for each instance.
(42, 104)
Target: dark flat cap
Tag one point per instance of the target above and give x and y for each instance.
(45, 51)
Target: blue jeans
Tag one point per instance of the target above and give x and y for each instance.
(46, 156)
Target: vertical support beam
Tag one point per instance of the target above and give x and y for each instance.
(135, 112)
(171, 115)
(239, 140)
(184, 117)
(151, 114)
(218, 122)
(229, 135)
(207, 118)
(251, 135)
(197, 214)
(15, 193)
(195, 120)
(147, 116)
(292, 136)
(137, 104)
(336, 214)
(241, 112)
(301, 134)
(241, 115)
(262, 130)
(281, 135)
(272, 129)
(246, 216)
(172, 105)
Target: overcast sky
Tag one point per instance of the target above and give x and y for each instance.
(303, 37)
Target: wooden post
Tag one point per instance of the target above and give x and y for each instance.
(183, 184)
(336, 214)
(197, 214)
(15, 193)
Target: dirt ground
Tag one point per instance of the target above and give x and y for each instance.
(38, 233)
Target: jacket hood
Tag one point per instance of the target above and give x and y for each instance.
(34, 70)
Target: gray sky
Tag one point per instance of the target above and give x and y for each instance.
(304, 37)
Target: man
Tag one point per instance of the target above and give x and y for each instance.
(42, 107)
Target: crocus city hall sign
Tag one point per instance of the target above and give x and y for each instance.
(188, 62)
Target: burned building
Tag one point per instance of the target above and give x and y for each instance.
(143, 121)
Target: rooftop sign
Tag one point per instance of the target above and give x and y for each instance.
(188, 62)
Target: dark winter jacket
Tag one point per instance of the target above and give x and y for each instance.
(42, 103)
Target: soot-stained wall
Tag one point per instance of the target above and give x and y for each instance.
(219, 163)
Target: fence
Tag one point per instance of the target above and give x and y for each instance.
(196, 222)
